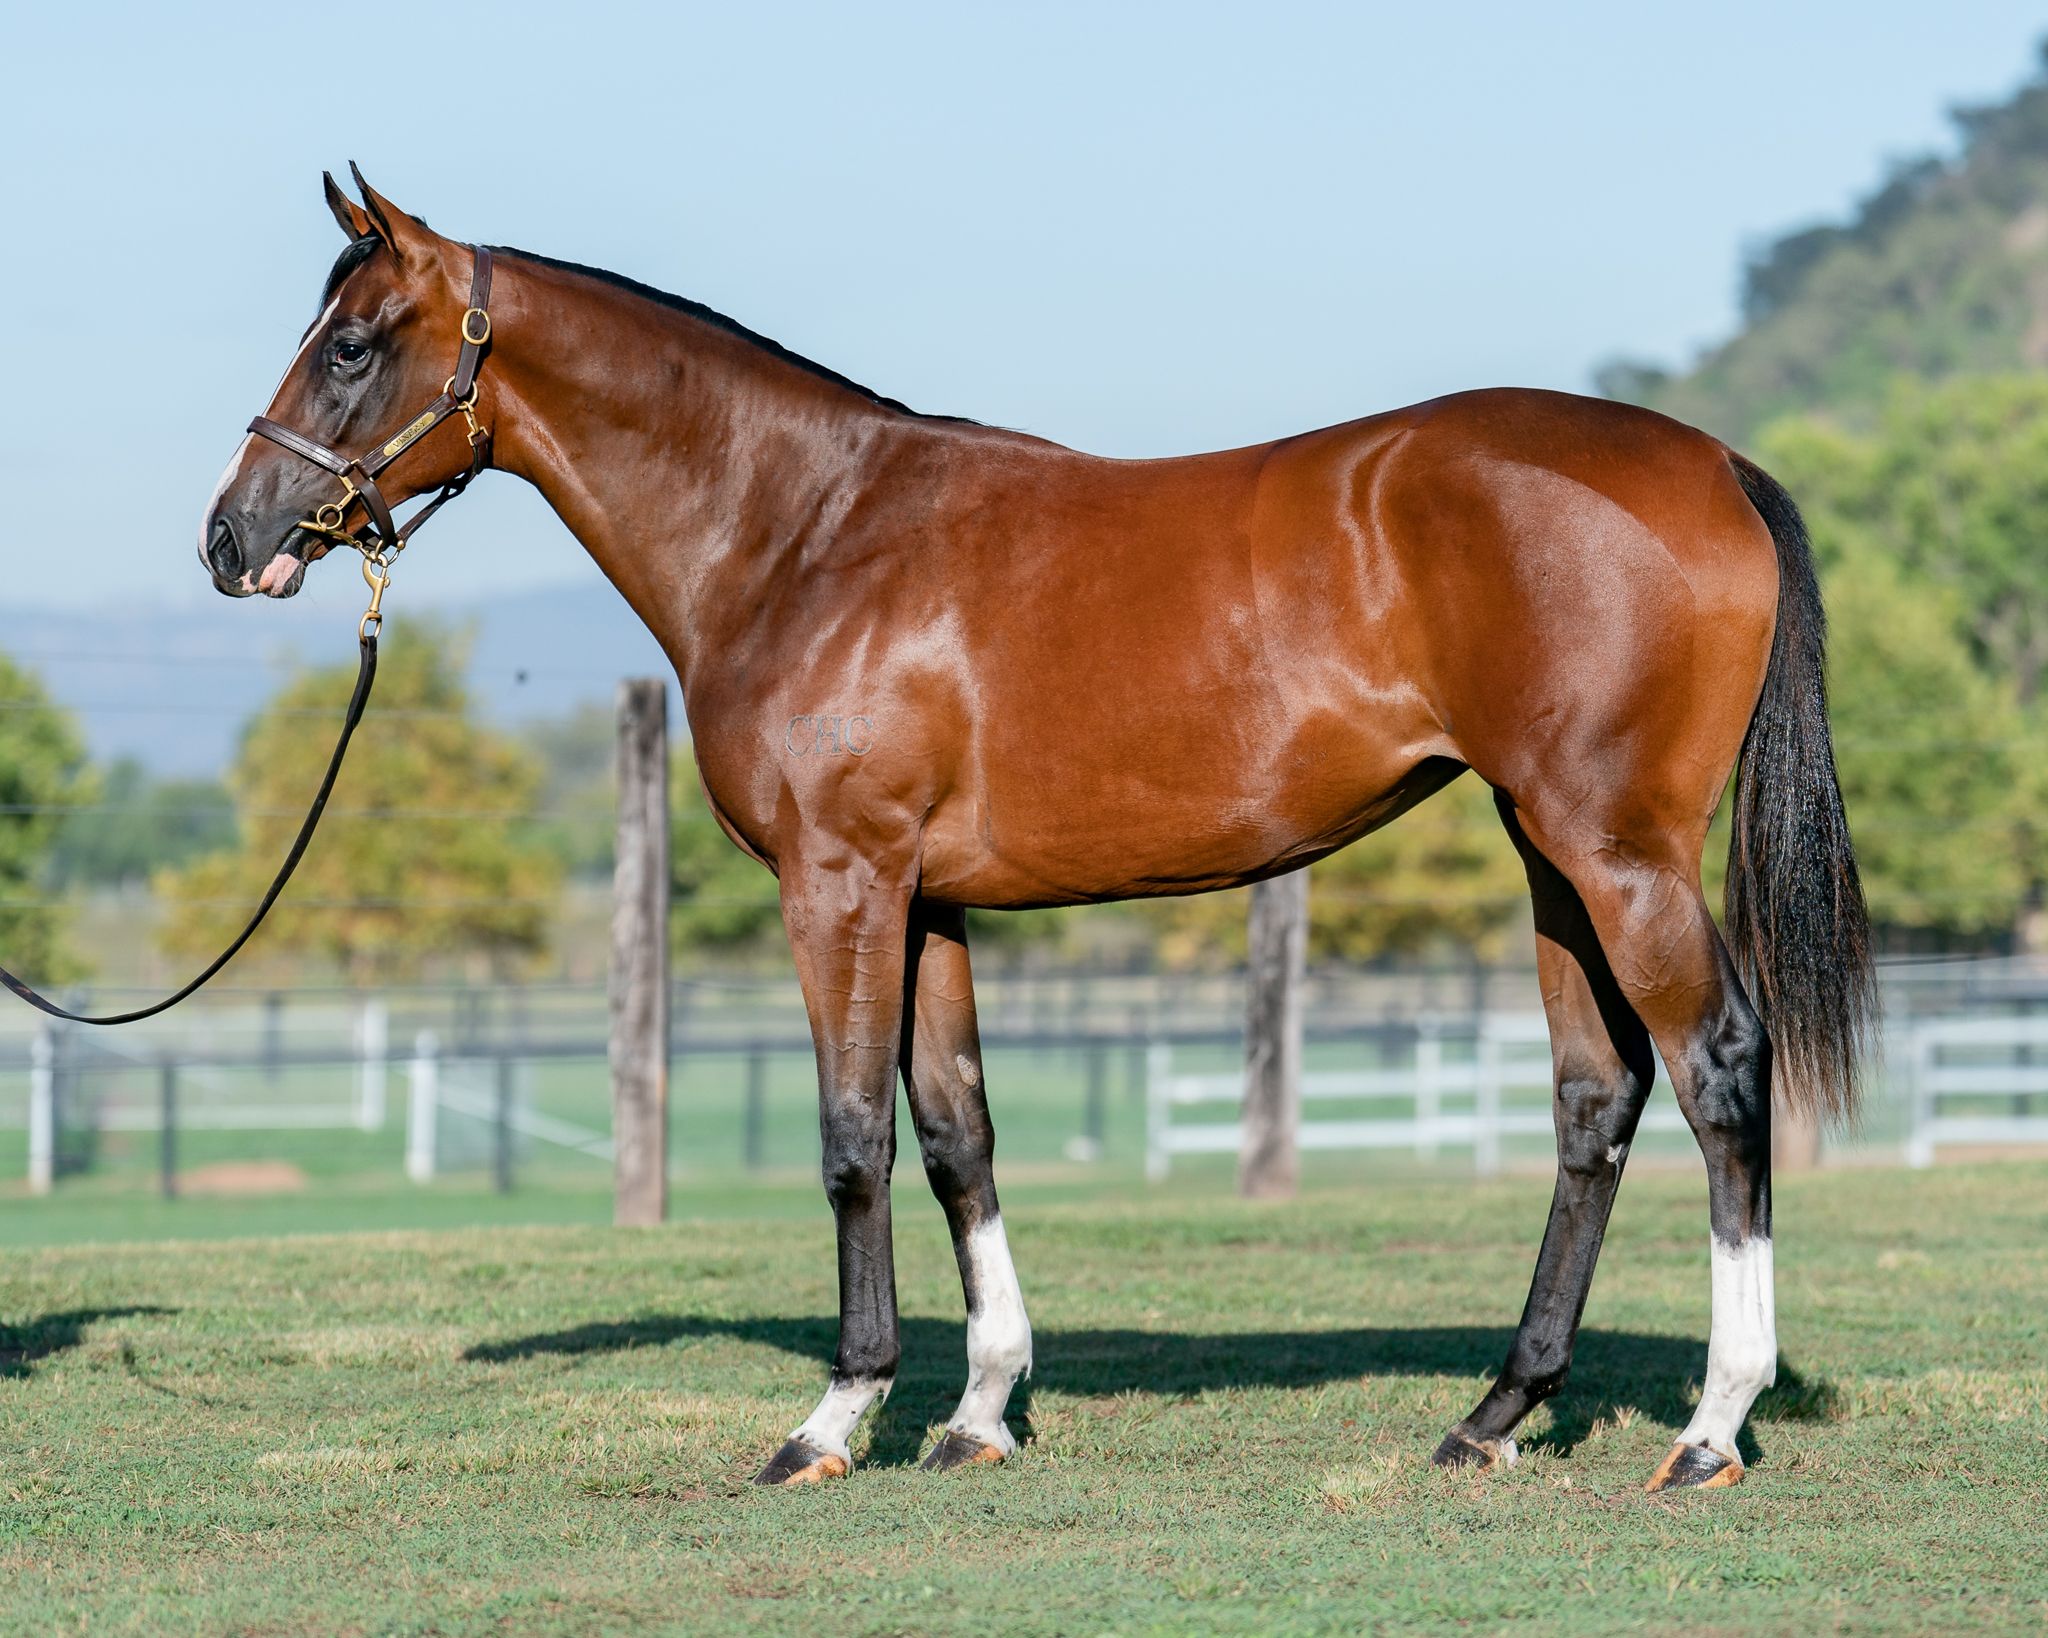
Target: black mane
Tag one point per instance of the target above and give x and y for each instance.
(731, 326)
(357, 252)
(361, 250)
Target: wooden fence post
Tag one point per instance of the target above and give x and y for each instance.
(639, 969)
(1268, 1165)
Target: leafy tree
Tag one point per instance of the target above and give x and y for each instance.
(723, 901)
(576, 794)
(1952, 485)
(138, 825)
(42, 769)
(1442, 878)
(1932, 535)
(423, 857)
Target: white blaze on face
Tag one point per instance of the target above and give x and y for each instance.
(1742, 1355)
(233, 474)
(998, 1339)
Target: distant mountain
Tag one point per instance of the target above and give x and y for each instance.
(1942, 271)
(173, 688)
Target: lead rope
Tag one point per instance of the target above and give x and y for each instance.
(377, 572)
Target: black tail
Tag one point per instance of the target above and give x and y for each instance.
(1797, 925)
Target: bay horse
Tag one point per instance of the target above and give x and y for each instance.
(931, 665)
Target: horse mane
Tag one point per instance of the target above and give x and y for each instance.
(731, 326)
(359, 251)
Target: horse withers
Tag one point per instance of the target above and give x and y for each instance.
(1598, 611)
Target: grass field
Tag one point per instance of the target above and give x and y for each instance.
(548, 1429)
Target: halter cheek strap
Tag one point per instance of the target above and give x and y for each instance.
(383, 537)
(379, 543)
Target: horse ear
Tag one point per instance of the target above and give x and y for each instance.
(353, 219)
(408, 237)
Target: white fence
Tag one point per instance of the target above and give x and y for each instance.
(1464, 1098)
(1972, 1062)
(1967, 1081)
(489, 1099)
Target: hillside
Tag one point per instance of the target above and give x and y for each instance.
(174, 693)
(1942, 271)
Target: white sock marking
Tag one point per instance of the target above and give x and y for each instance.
(998, 1339)
(831, 1425)
(1742, 1353)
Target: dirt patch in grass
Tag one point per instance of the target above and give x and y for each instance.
(235, 1177)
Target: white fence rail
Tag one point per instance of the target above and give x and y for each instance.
(1463, 1099)
(1972, 1061)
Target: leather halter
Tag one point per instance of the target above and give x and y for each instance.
(381, 539)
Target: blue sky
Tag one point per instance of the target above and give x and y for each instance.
(1136, 229)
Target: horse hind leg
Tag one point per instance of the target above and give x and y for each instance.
(948, 1101)
(1642, 896)
(1604, 1067)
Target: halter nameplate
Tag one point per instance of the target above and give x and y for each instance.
(359, 477)
(417, 429)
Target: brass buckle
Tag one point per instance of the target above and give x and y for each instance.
(468, 318)
(467, 405)
(327, 519)
(376, 575)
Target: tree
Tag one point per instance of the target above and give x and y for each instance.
(576, 753)
(42, 772)
(724, 900)
(1951, 485)
(424, 855)
(1931, 532)
(1444, 878)
(138, 825)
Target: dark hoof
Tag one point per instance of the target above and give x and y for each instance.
(1461, 1450)
(799, 1462)
(958, 1450)
(1695, 1467)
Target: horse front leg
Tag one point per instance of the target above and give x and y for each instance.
(847, 923)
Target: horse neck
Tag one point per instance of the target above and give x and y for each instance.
(692, 464)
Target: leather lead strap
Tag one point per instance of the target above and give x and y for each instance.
(360, 476)
(366, 674)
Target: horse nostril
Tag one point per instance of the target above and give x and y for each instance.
(222, 552)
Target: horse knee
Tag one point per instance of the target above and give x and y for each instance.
(859, 1152)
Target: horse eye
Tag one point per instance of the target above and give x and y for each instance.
(350, 352)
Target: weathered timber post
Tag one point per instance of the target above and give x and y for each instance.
(1795, 1138)
(639, 971)
(1268, 1165)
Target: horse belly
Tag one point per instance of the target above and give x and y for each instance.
(1182, 806)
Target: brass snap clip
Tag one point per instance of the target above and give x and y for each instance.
(376, 575)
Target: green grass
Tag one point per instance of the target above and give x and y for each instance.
(548, 1429)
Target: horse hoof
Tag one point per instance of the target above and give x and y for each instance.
(1695, 1467)
(956, 1449)
(1460, 1450)
(800, 1462)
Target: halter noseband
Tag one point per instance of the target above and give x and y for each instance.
(384, 539)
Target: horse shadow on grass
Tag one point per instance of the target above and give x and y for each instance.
(1654, 1376)
(23, 1346)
